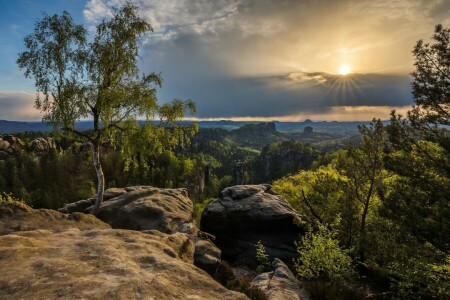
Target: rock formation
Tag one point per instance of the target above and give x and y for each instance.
(17, 216)
(280, 283)
(246, 214)
(43, 145)
(9, 146)
(148, 208)
(77, 257)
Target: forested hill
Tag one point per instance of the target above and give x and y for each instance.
(341, 128)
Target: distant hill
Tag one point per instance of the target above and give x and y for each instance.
(341, 129)
(17, 126)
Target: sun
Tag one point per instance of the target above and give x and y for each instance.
(344, 70)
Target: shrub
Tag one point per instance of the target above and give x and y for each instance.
(320, 257)
(262, 258)
(5, 198)
(199, 208)
(225, 276)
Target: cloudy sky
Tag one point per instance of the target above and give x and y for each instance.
(253, 59)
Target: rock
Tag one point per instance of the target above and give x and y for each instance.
(246, 214)
(207, 255)
(280, 284)
(113, 193)
(17, 216)
(82, 205)
(4, 145)
(9, 146)
(78, 206)
(43, 145)
(101, 264)
(147, 208)
(14, 142)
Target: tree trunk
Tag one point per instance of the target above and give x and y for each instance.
(100, 177)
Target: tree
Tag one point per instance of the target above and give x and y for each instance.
(77, 79)
(421, 146)
(364, 169)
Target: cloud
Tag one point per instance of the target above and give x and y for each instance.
(18, 106)
(263, 58)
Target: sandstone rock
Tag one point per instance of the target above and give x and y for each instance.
(280, 283)
(4, 145)
(146, 208)
(14, 142)
(16, 216)
(248, 213)
(207, 255)
(101, 264)
(43, 145)
(112, 193)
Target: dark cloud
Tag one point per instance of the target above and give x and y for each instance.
(265, 58)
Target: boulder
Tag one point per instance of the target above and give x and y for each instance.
(17, 216)
(14, 142)
(43, 145)
(147, 208)
(4, 145)
(280, 283)
(246, 214)
(9, 146)
(101, 264)
(207, 255)
(82, 205)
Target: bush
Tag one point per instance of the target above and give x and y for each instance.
(5, 198)
(199, 208)
(225, 276)
(262, 258)
(320, 257)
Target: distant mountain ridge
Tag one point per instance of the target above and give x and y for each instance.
(339, 128)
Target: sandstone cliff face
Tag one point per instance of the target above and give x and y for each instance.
(246, 214)
(77, 257)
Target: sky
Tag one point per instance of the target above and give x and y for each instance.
(253, 59)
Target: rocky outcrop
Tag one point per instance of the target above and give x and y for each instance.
(9, 146)
(17, 216)
(246, 214)
(146, 208)
(43, 145)
(149, 208)
(69, 261)
(280, 283)
(207, 256)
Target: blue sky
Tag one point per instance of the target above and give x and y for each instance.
(253, 59)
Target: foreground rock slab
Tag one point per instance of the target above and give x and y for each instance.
(246, 214)
(101, 264)
(280, 283)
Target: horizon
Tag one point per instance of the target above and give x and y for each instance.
(247, 60)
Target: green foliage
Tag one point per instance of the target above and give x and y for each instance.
(320, 257)
(100, 79)
(199, 208)
(6, 197)
(262, 258)
(417, 279)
